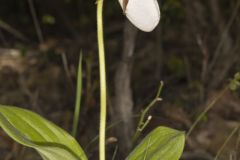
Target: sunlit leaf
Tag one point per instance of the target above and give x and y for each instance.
(31, 130)
(161, 144)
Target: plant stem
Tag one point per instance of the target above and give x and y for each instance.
(35, 21)
(141, 123)
(226, 141)
(209, 106)
(233, 85)
(102, 71)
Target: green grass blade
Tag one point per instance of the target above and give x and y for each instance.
(78, 98)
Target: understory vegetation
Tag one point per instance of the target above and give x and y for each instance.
(177, 86)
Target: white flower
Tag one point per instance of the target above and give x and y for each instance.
(144, 14)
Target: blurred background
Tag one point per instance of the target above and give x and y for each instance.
(195, 50)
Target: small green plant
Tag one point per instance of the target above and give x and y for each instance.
(53, 143)
(31, 130)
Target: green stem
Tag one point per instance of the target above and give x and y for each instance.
(78, 98)
(209, 106)
(233, 85)
(141, 123)
(226, 142)
(102, 71)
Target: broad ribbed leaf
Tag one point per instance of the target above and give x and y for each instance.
(161, 144)
(31, 130)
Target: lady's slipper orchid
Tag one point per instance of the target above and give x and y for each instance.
(144, 14)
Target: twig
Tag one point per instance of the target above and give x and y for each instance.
(66, 68)
(12, 31)
(209, 106)
(2, 38)
(35, 21)
(233, 85)
(225, 142)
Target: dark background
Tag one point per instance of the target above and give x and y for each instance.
(194, 50)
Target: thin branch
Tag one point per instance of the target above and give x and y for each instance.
(35, 21)
(226, 142)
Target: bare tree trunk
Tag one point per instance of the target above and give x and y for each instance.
(123, 102)
(159, 54)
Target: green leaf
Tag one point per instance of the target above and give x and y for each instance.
(161, 144)
(78, 97)
(235, 82)
(31, 130)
